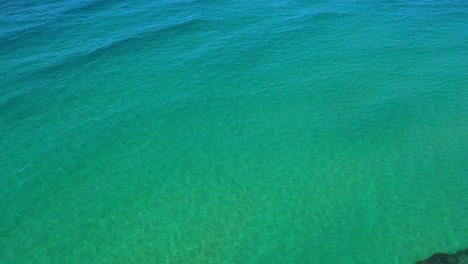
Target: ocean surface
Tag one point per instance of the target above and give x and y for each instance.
(167, 131)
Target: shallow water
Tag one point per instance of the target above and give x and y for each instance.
(235, 132)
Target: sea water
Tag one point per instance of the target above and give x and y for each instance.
(198, 131)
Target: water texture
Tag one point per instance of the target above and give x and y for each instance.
(233, 132)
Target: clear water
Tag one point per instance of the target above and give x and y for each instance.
(233, 132)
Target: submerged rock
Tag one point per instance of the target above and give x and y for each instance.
(461, 257)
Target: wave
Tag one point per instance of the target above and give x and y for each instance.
(84, 6)
(92, 5)
(18, 36)
(124, 44)
(144, 36)
(8, 99)
(323, 15)
(37, 24)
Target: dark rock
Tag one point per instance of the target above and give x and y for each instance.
(461, 257)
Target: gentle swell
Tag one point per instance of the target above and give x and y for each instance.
(14, 38)
(145, 36)
(89, 5)
(27, 32)
(127, 43)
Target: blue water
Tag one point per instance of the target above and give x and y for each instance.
(233, 132)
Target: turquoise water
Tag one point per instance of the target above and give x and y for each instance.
(233, 132)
